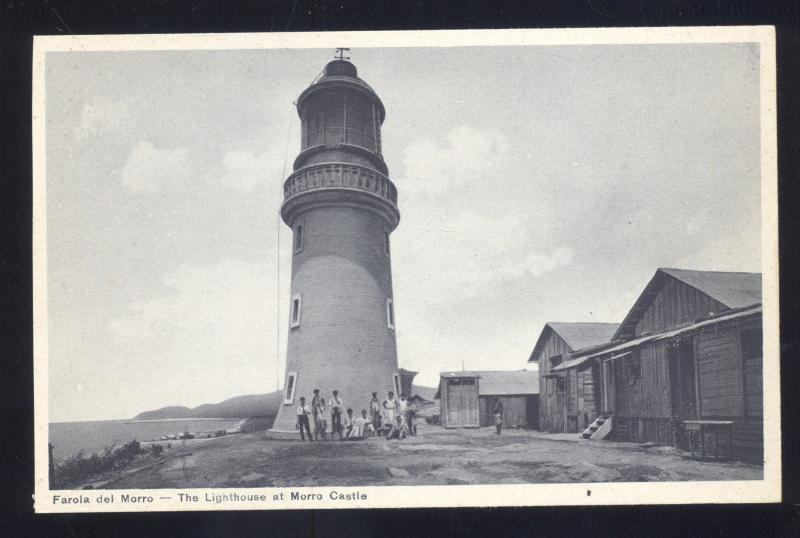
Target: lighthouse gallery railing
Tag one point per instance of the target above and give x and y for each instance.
(342, 175)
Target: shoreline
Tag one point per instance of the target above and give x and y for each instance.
(151, 420)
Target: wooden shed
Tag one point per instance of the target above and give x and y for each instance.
(458, 393)
(467, 398)
(519, 393)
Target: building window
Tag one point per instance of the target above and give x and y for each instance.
(390, 313)
(288, 393)
(296, 306)
(560, 384)
(556, 360)
(396, 378)
(386, 241)
(298, 238)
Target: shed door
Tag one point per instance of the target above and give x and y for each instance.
(454, 402)
(462, 402)
(469, 390)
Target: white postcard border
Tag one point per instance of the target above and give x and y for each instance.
(760, 491)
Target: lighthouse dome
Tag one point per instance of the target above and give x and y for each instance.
(341, 68)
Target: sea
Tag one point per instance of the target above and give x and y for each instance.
(69, 438)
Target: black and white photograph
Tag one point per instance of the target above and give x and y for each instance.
(405, 269)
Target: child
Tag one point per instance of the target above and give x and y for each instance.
(349, 425)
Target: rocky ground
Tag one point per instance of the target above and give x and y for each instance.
(435, 456)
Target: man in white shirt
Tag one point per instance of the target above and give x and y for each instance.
(303, 411)
(363, 424)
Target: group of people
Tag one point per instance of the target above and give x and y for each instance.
(393, 418)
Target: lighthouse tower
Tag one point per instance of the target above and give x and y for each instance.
(342, 208)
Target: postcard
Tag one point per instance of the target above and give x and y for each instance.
(405, 269)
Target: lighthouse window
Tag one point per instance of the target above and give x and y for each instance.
(390, 313)
(291, 382)
(386, 241)
(298, 238)
(315, 128)
(334, 126)
(296, 305)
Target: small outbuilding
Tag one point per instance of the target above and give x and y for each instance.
(467, 398)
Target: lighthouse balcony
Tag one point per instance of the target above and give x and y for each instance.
(340, 182)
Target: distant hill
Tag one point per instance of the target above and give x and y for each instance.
(425, 392)
(251, 405)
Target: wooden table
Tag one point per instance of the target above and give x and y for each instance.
(699, 428)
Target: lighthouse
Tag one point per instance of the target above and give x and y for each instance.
(342, 208)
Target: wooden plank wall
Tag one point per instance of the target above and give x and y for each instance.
(515, 411)
(648, 396)
(719, 368)
(443, 402)
(729, 389)
(551, 412)
(675, 305)
(589, 400)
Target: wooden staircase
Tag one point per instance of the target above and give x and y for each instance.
(600, 428)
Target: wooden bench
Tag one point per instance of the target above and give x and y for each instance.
(697, 429)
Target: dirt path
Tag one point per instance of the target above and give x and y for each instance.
(436, 456)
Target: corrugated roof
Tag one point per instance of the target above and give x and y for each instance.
(581, 335)
(731, 289)
(734, 290)
(500, 382)
(577, 335)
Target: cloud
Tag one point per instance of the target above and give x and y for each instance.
(102, 114)
(242, 170)
(220, 315)
(539, 264)
(149, 168)
(466, 155)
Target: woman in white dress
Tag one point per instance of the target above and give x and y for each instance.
(390, 409)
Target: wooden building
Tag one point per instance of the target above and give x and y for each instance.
(467, 398)
(458, 395)
(567, 401)
(687, 355)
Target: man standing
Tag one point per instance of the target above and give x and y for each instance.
(317, 412)
(336, 414)
(498, 414)
(374, 410)
(402, 407)
(302, 419)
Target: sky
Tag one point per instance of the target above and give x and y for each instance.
(536, 183)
